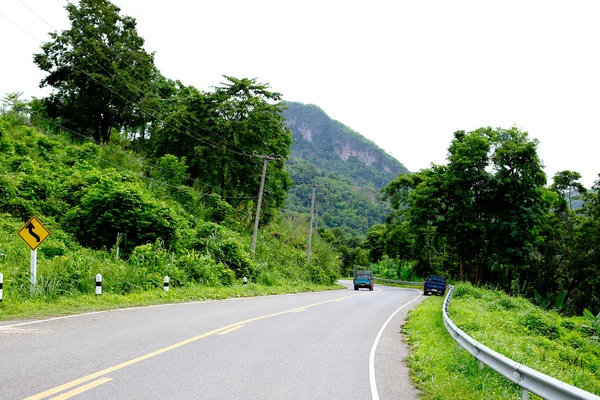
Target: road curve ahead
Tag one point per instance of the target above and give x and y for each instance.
(327, 345)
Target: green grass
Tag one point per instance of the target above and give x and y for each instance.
(19, 308)
(418, 287)
(557, 346)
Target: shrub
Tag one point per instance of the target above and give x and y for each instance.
(111, 207)
(226, 247)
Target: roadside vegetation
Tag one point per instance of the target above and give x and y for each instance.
(566, 348)
(107, 215)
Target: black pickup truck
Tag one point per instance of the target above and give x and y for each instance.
(434, 284)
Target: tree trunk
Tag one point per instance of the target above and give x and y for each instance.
(462, 271)
(104, 129)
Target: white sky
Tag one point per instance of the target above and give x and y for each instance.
(405, 74)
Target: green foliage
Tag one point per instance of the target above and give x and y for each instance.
(237, 119)
(485, 217)
(326, 143)
(225, 246)
(349, 248)
(390, 268)
(347, 206)
(593, 322)
(113, 223)
(98, 68)
(109, 208)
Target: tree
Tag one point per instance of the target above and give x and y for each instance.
(586, 254)
(218, 133)
(98, 68)
(375, 242)
(516, 207)
(566, 184)
(481, 210)
(465, 191)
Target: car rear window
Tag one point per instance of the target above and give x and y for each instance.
(436, 279)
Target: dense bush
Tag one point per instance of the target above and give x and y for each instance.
(110, 208)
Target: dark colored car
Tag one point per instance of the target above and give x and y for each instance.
(434, 284)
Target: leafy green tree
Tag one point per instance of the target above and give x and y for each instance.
(13, 104)
(586, 254)
(464, 190)
(482, 209)
(516, 207)
(98, 68)
(219, 132)
(375, 242)
(566, 184)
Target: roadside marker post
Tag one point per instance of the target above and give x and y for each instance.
(245, 280)
(33, 275)
(98, 284)
(166, 285)
(1, 281)
(33, 233)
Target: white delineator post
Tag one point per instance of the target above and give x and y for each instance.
(1, 281)
(245, 280)
(33, 278)
(99, 284)
(166, 286)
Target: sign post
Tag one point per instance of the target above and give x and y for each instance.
(33, 233)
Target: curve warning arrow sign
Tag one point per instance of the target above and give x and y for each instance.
(33, 233)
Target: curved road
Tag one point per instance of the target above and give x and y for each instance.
(335, 345)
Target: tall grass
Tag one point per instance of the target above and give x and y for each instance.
(563, 348)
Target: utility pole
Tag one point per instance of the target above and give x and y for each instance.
(266, 159)
(317, 199)
(312, 208)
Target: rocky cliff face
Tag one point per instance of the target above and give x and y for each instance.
(322, 141)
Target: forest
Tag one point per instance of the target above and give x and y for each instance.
(487, 217)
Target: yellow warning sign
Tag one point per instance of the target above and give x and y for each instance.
(34, 233)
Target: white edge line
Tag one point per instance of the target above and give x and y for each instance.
(155, 306)
(50, 319)
(372, 381)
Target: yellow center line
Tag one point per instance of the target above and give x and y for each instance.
(300, 310)
(82, 389)
(136, 360)
(231, 330)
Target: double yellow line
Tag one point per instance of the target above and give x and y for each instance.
(224, 330)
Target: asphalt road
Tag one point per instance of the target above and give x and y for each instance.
(329, 345)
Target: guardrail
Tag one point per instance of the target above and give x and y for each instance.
(399, 282)
(527, 378)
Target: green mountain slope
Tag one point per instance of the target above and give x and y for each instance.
(327, 152)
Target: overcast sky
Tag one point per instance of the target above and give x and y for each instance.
(405, 74)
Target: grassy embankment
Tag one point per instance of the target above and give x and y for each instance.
(564, 348)
(199, 241)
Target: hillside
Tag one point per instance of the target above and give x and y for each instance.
(349, 168)
(332, 146)
(113, 211)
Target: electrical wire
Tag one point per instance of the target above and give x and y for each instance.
(138, 174)
(109, 88)
(139, 91)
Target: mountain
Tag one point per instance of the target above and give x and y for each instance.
(327, 152)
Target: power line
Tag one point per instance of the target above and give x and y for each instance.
(139, 90)
(140, 108)
(91, 139)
